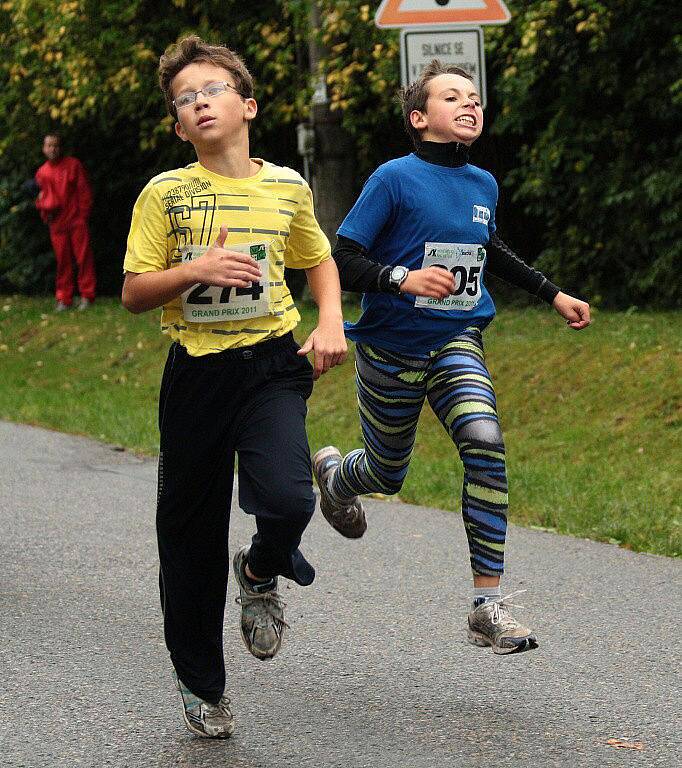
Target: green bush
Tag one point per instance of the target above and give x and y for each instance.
(582, 125)
(26, 259)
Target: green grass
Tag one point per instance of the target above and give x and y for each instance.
(592, 420)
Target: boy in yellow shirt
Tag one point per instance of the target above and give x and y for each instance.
(209, 243)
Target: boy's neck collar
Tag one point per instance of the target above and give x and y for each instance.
(451, 154)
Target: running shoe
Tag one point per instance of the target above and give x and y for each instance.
(492, 625)
(347, 518)
(262, 621)
(209, 721)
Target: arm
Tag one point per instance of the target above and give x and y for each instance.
(327, 341)
(361, 274)
(356, 272)
(83, 192)
(218, 266)
(505, 264)
(46, 214)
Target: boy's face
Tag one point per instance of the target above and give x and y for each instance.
(52, 148)
(210, 120)
(453, 111)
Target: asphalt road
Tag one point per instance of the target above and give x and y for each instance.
(374, 673)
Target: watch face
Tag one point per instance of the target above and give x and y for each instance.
(398, 274)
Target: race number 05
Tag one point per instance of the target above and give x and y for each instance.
(465, 280)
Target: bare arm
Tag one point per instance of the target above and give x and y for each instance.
(327, 341)
(218, 266)
(575, 312)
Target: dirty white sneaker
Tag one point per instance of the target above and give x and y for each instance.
(349, 518)
(262, 621)
(209, 721)
(492, 625)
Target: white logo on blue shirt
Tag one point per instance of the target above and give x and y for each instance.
(481, 214)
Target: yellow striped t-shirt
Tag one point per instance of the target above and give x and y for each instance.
(187, 207)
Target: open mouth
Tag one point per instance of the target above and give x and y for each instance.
(466, 120)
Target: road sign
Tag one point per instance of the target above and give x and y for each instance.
(458, 46)
(419, 13)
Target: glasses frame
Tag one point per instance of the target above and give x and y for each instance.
(228, 86)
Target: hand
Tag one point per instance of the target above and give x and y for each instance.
(328, 345)
(575, 311)
(435, 282)
(223, 267)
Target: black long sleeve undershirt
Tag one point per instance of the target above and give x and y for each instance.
(360, 274)
(356, 272)
(505, 264)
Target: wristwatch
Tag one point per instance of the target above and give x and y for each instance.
(397, 277)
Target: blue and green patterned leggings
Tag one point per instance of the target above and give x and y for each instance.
(391, 391)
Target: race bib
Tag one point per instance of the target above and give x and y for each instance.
(465, 261)
(213, 304)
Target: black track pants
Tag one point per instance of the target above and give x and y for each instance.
(250, 403)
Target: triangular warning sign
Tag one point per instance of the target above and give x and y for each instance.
(418, 13)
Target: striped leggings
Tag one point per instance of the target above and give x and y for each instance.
(391, 391)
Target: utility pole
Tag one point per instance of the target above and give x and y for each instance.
(333, 149)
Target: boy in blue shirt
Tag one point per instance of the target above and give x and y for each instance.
(417, 244)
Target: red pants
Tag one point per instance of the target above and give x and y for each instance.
(67, 244)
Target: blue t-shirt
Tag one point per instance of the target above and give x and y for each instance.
(405, 204)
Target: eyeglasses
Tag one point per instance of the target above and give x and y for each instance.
(212, 89)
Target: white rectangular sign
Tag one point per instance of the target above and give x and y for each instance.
(461, 47)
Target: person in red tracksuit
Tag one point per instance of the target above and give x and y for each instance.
(64, 204)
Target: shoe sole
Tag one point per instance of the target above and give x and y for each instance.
(348, 533)
(327, 505)
(525, 643)
(245, 640)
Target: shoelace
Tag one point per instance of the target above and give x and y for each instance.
(223, 706)
(500, 615)
(270, 601)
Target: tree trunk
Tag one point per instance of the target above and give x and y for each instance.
(333, 180)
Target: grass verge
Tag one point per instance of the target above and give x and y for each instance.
(592, 420)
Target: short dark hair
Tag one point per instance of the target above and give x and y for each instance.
(415, 95)
(193, 49)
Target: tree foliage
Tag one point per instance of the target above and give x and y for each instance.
(584, 100)
(593, 90)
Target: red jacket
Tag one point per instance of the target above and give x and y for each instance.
(65, 195)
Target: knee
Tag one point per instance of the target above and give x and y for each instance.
(482, 434)
(294, 506)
